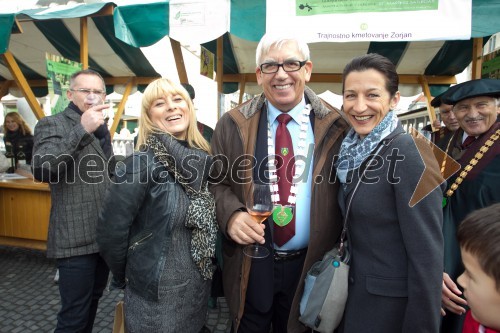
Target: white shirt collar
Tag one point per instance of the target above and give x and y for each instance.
(295, 113)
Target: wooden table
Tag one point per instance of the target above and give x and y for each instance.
(24, 213)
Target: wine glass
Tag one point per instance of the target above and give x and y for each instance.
(260, 206)
(95, 99)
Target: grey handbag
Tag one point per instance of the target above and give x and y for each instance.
(325, 291)
(325, 287)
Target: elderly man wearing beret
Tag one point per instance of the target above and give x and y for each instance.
(475, 145)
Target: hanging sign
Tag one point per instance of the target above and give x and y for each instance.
(59, 70)
(370, 20)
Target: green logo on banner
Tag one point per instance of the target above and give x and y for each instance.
(320, 7)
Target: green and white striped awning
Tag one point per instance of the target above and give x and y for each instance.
(145, 24)
(114, 41)
(30, 34)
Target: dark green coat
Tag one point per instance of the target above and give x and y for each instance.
(480, 188)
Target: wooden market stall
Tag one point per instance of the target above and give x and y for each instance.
(24, 213)
(82, 33)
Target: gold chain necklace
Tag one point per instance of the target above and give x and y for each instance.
(473, 162)
(443, 165)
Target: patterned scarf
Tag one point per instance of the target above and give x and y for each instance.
(190, 168)
(354, 150)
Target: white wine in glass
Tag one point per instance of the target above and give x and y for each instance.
(260, 207)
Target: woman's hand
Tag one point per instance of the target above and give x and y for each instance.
(450, 297)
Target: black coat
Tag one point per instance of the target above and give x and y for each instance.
(135, 222)
(19, 143)
(479, 189)
(141, 231)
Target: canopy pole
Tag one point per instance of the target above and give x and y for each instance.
(121, 106)
(220, 75)
(428, 97)
(242, 89)
(23, 84)
(477, 58)
(84, 43)
(4, 89)
(18, 28)
(179, 61)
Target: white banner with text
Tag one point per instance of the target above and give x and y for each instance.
(370, 20)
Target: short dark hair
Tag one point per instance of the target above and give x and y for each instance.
(85, 72)
(479, 234)
(377, 62)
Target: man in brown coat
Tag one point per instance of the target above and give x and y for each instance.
(266, 292)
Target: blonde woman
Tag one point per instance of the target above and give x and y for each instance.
(157, 227)
(18, 134)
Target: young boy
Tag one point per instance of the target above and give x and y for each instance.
(479, 239)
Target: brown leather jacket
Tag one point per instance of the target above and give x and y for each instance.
(234, 136)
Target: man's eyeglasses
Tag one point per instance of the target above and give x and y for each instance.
(288, 66)
(88, 91)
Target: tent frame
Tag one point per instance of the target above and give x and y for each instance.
(423, 80)
(25, 85)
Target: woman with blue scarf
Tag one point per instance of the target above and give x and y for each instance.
(394, 217)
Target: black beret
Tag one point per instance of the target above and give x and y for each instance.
(189, 89)
(472, 88)
(436, 101)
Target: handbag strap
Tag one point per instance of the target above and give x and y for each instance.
(344, 228)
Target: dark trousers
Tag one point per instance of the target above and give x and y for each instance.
(286, 278)
(82, 280)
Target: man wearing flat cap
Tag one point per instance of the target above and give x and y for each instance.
(476, 146)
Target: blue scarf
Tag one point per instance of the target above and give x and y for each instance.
(354, 150)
